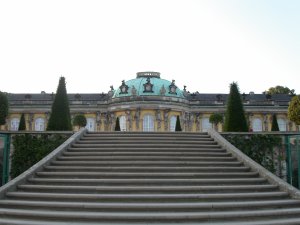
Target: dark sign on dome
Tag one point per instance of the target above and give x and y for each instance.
(148, 74)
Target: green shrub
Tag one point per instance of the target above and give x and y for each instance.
(22, 124)
(60, 118)
(274, 123)
(215, 119)
(178, 126)
(235, 120)
(117, 127)
(258, 147)
(29, 149)
(79, 120)
(3, 107)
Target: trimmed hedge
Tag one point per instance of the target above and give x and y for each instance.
(258, 147)
(29, 149)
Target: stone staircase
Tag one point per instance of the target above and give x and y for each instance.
(147, 178)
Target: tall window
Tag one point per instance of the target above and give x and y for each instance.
(90, 124)
(206, 125)
(257, 124)
(173, 123)
(39, 124)
(14, 124)
(148, 123)
(123, 123)
(281, 124)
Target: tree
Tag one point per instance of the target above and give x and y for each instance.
(3, 108)
(22, 124)
(215, 119)
(60, 119)
(235, 119)
(275, 126)
(178, 126)
(280, 90)
(294, 110)
(117, 127)
(79, 120)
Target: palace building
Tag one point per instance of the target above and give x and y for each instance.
(149, 103)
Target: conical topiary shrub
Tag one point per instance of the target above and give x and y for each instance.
(60, 118)
(3, 108)
(117, 127)
(275, 126)
(22, 124)
(235, 120)
(178, 126)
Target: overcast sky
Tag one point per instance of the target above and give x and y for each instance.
(205, 45)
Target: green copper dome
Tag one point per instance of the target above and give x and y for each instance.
(148, 84)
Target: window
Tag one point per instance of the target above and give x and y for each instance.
(14, 124)
(39, 124)
(281, 124)
(90, 124)
(257, 124)
(123, 123)
(173, 123)
(148, 123)
(206, 125)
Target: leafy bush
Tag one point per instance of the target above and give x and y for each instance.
(257, 147)
(29, 149)
(294, 110)
(79, 120)
(215, 119)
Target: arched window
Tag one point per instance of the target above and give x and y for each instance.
(206, 125)
(90, 124)
(148, 123)
(281, 124)
(14, 124)
(123, 123)
(39, 124)
(173, 123)
(257, 124)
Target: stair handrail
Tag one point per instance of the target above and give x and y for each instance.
(12, 185)
(263, 172)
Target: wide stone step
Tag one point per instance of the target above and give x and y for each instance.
(145, 142)
(148, 163)
(144, 145)
(146, 153)
(191, 169)
(146, 134)
(150, 217)
(147, 158)
(288, 220)
(148, 138)
(147, 189)
(125, 175)
(207, 149)
(259, 196)
(149, 207)
(143, 182)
